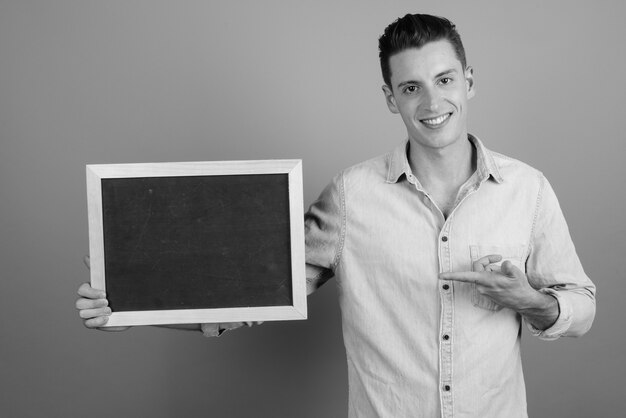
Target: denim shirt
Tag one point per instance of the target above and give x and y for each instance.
(418, 346)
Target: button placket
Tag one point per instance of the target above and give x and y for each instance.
(447, 318)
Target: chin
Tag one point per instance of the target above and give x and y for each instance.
(436, 142)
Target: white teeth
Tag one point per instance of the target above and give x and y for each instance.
(436, 121)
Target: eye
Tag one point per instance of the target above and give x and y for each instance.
(446, 80)
(410, 89)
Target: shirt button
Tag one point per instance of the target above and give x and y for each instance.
(446, 337)
(444, 238)
(446, 388)
(445, 287)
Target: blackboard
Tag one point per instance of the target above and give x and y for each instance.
(198, 242)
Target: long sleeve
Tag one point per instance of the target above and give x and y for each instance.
(554, 268)
(324, 232)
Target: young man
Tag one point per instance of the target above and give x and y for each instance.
(440, 248)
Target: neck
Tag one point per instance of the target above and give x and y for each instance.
(450, 166)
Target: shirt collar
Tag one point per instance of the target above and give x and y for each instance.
(485, 163)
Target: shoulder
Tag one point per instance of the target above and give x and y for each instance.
(369, 172)
(359, 179)
(517, 171)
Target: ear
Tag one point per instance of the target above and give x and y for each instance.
(469, 81)
(391, 101)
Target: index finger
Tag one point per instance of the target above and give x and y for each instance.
(85, 290)
(463, 276)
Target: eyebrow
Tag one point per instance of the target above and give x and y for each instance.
(415, 82)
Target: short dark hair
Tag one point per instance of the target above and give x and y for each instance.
(414, 31)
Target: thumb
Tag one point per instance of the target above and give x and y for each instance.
(87, 261)
(508, 269)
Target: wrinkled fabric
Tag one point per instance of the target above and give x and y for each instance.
(418, 346)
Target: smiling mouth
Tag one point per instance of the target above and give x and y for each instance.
(436, 122)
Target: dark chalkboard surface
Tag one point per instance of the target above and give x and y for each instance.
(198, 244)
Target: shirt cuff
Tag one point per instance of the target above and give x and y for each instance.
(562, 323)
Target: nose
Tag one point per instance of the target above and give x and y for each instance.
(432, 99)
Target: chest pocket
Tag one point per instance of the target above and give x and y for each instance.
(513, 253)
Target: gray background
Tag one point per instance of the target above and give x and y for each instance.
(138, 81)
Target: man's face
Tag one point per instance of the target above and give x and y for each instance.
(430, 89)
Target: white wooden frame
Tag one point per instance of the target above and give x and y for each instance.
(293, 168)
